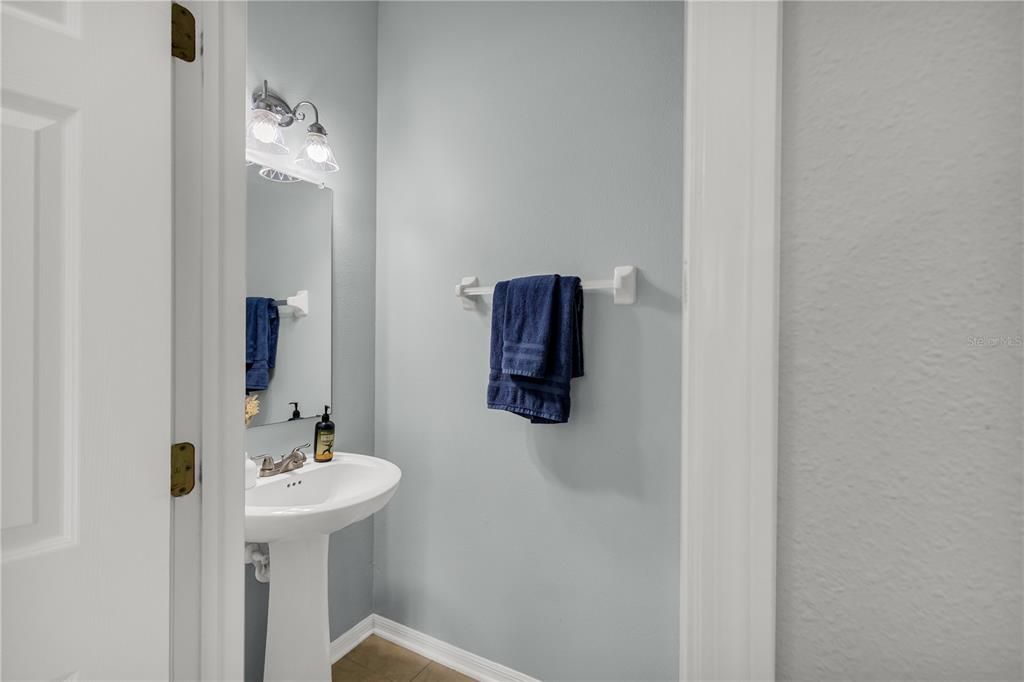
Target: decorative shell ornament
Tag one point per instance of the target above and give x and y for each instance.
(252, 407)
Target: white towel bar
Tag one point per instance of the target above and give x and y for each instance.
(622, 285)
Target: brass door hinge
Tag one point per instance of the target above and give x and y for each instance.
(183, 33)
(183, 469)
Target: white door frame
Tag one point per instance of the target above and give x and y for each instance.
(730, 341)
(223, 514)
(207, 586)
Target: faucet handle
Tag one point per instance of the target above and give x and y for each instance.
(266, 462)
(297, 451)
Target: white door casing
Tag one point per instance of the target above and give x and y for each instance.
(85, 340)
(730, 341)
(209, 227)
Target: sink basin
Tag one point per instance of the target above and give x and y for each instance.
(319, 498)
(294, 513)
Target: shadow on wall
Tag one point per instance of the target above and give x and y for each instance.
(257, 597)
(565, 453)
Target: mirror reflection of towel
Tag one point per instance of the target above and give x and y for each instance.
(536, 346)
(261, 326)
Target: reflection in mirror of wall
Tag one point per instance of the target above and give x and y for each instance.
(289, 267)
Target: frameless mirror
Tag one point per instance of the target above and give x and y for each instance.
(289, 251)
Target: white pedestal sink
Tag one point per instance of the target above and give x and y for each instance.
(295, 512)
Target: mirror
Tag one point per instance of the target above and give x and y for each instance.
(289, 232)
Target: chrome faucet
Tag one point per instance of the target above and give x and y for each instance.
(290, 462)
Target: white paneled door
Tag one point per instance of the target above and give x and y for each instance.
(85, 339)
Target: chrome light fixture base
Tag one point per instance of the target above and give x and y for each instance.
(262, 98)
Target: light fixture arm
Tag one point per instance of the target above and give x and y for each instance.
(301, 116)
(263, 98)
(314, 127)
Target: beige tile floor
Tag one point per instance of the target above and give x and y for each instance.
(378, 660)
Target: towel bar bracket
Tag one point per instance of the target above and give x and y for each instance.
(298, 304)
(622, 285)
(461, 291)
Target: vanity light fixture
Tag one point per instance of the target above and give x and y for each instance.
(269, 114)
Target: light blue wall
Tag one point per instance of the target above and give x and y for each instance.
(520, 138)
(327, 52)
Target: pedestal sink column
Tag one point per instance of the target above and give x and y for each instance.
(298, 637)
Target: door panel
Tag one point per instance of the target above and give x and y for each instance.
(85, 334)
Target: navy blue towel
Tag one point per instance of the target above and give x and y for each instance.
(261, 326)
(536, 346)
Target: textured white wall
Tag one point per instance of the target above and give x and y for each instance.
(900, 440)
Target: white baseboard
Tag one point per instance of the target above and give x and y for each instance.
(351, 639)
(457, 659)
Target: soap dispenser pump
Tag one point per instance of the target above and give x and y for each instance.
(324, 438)
(295, 412)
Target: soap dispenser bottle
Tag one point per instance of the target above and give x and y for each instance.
(324, 438)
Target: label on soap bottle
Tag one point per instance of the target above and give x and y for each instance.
(324, 446)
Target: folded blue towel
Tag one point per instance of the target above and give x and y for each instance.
(261, 327)
(536, 346)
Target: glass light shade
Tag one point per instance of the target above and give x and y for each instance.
(276, 175)
(316, 154)
(263, 134)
